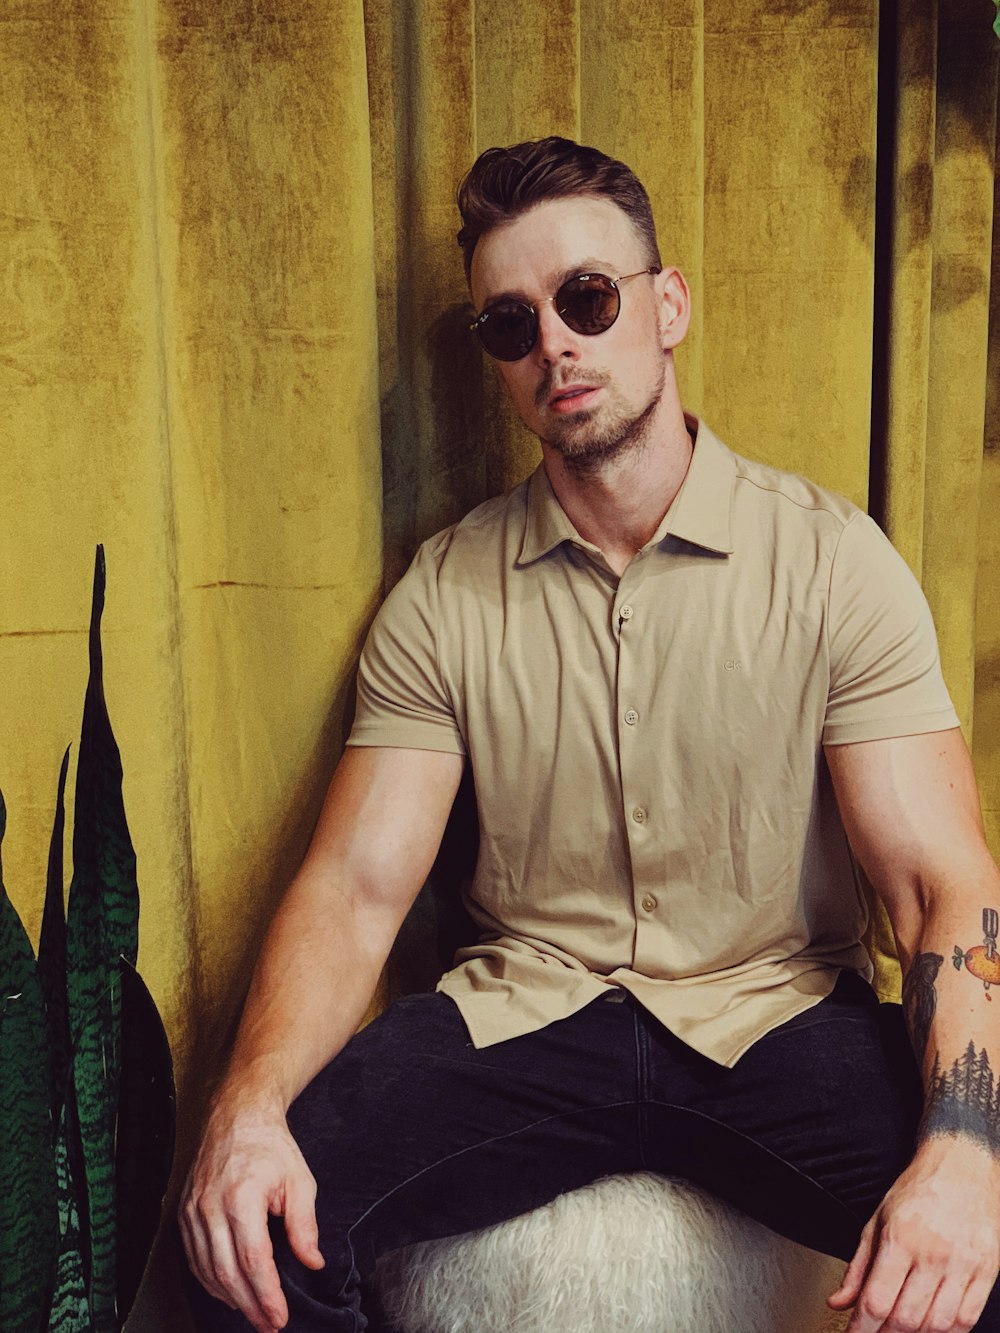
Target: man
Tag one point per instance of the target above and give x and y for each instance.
(678, 677)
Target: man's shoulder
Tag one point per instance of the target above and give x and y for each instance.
(791, 495)
(485, 530)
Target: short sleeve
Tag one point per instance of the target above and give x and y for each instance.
(885, 670)
(401, 698)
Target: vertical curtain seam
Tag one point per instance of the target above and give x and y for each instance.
(146, 19)
(578, 72)
(473, 55)
(885, 173)
(699, 321)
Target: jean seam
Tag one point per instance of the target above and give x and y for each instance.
(820, 1020)
(762, 1147)
(474, 1147)
(352, 1272)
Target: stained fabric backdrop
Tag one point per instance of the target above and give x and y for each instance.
(232, 348)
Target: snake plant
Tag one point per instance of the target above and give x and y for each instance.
(86, 1084)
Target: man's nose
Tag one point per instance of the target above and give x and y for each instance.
(556, 340)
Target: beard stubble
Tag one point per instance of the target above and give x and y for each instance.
(586, 443)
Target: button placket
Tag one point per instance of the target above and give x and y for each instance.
(631, 689)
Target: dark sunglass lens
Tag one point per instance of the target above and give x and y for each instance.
(508, 331)
(588, 303)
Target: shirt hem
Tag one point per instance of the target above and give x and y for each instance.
(878, 729)
(407, 740)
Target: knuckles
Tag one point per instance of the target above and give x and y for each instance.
(253, 1255)
(875, 1307)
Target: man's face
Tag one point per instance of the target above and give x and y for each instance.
(588, 397)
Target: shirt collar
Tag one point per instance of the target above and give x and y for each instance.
(701, 512)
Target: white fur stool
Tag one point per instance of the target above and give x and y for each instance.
(628, 1254)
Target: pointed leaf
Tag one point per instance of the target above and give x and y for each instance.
(28, 1225)
(102, 927)
(52, 956)
(145, 1132)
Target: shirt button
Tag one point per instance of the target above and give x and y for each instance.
(648, 903)
(631, 716)
(639, 815)
(626, 612)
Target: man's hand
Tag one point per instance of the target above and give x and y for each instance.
(928, 1258)
(249, 1166)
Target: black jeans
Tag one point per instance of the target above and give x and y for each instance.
(414, 1134)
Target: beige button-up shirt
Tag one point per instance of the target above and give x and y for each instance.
(655, 809)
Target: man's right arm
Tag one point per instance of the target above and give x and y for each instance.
(375, 842)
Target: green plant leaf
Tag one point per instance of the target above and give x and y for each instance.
(70, 1312)
(145, 1132)
(28, 1220)
(52, 957)
(102, 927)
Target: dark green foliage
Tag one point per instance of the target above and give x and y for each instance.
(70, 1308)
(102, 926)
(86, 1085)
(145, 1140)
(52, 956)
(28, 1225)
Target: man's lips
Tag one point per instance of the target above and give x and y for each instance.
(574, 397)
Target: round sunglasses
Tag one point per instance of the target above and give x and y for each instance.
(588, 303)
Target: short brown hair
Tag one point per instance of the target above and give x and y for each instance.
(503, 183)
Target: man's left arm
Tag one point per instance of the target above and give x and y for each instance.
(930, 1254)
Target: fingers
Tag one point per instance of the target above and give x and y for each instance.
(248, 1167)
(300, 1221)
(901, 1295)
(929, 1302)
(249, 1284)
(850, 1286)
(946, 1310)
(199, 1260)
(915, 1300)
(973, 1302)
(256, 1276)
(231, 1257)
(878, 1295)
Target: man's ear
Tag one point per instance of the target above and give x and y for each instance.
(675, 307)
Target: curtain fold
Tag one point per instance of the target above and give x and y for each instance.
(234, 348)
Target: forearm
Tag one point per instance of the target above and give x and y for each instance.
(373, 846)
(313, 983)
(929, 1254)
(951, 976)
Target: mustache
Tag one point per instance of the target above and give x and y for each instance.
(553, 382)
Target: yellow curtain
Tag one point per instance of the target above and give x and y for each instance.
(232, 302)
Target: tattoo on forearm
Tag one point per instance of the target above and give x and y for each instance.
(963, 1100)
(982, 960)
(920, 999)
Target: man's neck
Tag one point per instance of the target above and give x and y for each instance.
(620, 506)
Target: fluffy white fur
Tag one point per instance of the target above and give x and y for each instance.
(628, 1254)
